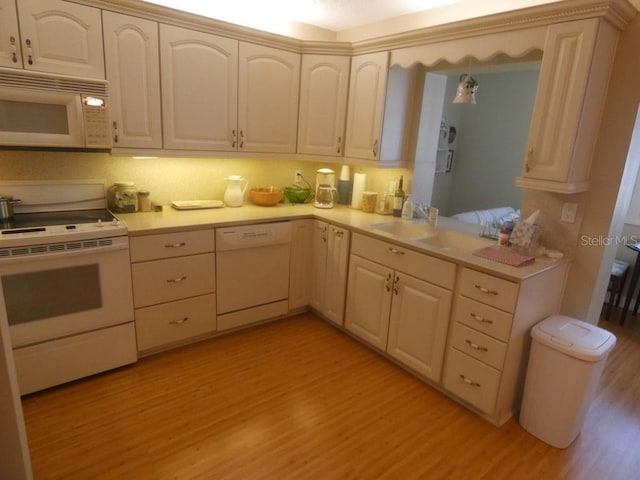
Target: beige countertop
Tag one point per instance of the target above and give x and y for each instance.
(172, 220)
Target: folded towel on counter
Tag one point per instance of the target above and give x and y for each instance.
(504, 255)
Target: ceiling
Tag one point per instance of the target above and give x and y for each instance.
(335, 15)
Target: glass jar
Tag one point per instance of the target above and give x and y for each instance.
(144, 200)
(122, 197)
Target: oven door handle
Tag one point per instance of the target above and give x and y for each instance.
(81, 252)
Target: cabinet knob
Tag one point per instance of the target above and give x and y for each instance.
(339, 144)
(475, 346)
(14, 51)
(375, 148)
(469, 381)
(234, 139)
(480, 319)
(388, 283)
(241, 138)
(180, 321)
(177, 279)
(486, 290)
(396, 283)
(115, 132)
(29, 52)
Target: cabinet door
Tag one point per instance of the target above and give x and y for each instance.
(367, 87)
(564, 75)
(335, 283)
(269, 81)
(300, 266)
(61, 37)
(319, 246)
(418, 325)
(10, 55)
(369, 301)
(199, 90)
(133, 71)
(323, 104)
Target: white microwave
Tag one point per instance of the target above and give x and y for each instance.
(41, 110)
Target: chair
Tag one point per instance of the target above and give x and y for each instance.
(618, 278)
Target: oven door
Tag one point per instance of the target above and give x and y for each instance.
(55, 295)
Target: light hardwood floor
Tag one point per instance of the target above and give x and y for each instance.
(298, 399)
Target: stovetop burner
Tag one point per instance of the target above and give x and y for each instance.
(66, 218)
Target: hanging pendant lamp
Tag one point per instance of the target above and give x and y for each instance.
(466, 91)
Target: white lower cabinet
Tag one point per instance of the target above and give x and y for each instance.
(173, 288)
(394, 304)
(330, 246)
(487, 352)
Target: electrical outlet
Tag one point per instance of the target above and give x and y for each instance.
(569, 211)
(297, 177)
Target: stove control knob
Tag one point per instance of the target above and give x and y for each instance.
(115, 222)
(99, 224)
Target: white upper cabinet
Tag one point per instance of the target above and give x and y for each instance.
(133, 72)
(367, 88)
(380, 110)
(10, 55)
(199, 90)
(269, 81)
(571, 92)
(60, 37)
(324, 84)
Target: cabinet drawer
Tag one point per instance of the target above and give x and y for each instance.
(478, 345)
(422, 266)
(488, 289)
(171, 322)
(162, 281)
(483, 318)
(169, 245)
(473, 381)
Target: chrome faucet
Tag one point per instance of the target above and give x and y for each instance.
(430, 214)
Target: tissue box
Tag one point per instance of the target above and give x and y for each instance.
(525, 235)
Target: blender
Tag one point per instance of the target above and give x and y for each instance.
(325, 188)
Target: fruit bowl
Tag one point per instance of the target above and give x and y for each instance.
(297, 194)
(266, 197)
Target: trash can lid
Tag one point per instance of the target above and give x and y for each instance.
(574, 337)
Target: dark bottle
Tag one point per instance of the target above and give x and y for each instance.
(398, 200)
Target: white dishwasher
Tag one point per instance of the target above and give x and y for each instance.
(252, 272)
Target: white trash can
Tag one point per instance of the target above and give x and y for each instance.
(566, 360)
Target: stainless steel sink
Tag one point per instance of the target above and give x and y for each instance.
(405, 229)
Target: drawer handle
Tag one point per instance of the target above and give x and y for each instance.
(177, 280)
(175, 245)
(179, 322)
(338, 233)
(486, 290)
(475, 346)
(396, 251)
(480, 319)
(468, 381)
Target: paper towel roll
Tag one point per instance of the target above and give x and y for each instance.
(344, 173)
(359, 180)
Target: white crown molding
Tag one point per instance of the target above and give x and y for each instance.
(617, 12)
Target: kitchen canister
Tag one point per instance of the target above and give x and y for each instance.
(144, 200)
(122, 197)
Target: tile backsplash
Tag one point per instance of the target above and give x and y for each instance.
(176, 178)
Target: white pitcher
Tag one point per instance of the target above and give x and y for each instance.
(234, 194)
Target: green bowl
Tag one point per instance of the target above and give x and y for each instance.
(297, 194)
